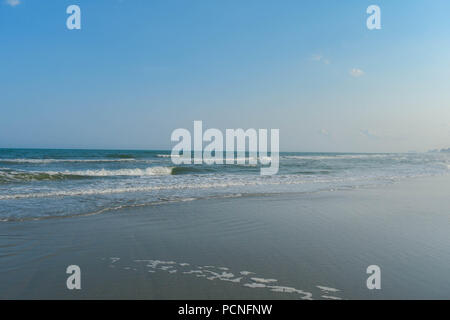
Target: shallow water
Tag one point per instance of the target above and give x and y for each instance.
(284, 246)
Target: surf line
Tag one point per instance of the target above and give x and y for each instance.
(235, 144)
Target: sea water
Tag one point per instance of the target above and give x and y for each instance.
(44, 183)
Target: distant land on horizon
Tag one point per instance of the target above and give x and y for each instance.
(442, 150)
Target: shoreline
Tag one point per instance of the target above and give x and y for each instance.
(294, 245)
(157, 203)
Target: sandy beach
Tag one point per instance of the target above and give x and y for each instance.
(287, 246)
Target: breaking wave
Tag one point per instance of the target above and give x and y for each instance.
(17, 176)
(150, 171)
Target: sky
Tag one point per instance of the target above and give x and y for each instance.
(139, 69)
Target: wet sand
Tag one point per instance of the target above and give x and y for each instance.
(290, 246)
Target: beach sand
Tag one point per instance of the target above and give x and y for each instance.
(289, 246)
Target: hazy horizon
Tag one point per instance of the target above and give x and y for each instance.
(169, 150)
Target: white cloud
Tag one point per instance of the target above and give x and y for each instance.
(320, 58)
(12, 3)
(356, 73)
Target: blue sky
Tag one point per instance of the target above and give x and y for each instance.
(139, 69)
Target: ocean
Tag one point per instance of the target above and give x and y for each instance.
(42, 183)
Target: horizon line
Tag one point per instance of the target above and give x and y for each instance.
(169, 150)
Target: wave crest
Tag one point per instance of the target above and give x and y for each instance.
(7, 176)
(150, 171)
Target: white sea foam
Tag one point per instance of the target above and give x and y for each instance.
(255, 285)
(262, 280)
(216, 273)
(306, 295)
(151, 171)
(209, 184)
(337, 157)
(166, 155)
(21, 175)
(331, 297)
(94, 191)
(327, 289)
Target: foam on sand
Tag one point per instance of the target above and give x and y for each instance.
(216, 273)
